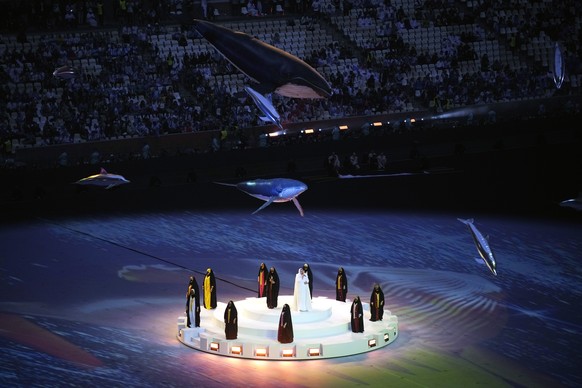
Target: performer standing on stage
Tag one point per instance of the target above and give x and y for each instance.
(376, 303)
(341, 285)
(262, 280)
(209, 290)
(285, 332)
(301, 296)
(307, 270)
(193, 303)
(272, 288)
(357, 313)
(230, 321)
(191, 283)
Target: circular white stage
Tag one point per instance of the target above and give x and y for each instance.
(323, 332)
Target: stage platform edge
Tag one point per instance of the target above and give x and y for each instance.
(323, 332)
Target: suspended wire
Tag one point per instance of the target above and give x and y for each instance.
(142, 253)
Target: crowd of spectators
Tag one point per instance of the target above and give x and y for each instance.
(447, 84)
(124, 87)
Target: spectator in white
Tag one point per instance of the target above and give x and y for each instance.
(491, 117)
(145, 151)
(91, 19)
(354, 161)
(252, 9)
(335, 133)
(95, 158)
(63, 159)
(215, 144)
(381, 160)
(204, 4)
(413, 23)
(316, 6)
(259, 7)
(333, 163)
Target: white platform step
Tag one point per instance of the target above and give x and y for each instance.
(323, 332)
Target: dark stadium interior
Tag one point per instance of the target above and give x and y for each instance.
(462, 98)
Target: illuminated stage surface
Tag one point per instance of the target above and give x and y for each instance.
(323, 332)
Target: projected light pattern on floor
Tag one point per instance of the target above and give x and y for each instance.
(95, 300)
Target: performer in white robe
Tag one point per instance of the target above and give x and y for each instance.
(301, 295)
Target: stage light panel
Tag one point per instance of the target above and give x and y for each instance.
(214, 346)
(287, 352)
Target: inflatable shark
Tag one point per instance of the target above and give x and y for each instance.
(65, 72)
(103, 179)
(574, 203)
(265, 106)
(482, 245)
(272, 190)
(559, 66)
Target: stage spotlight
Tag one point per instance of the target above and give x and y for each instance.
(287, 353)
(377, 124)
(214, 346)
(343, 127)
(261, 352)
(371, 343)
(386, 337)
(236, 350)
(313, 352)
(309, 130)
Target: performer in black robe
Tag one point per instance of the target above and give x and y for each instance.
(357, 313)
(193, 303)
(262, 280)
(272, 288)
(376, 303)
(307, 270)
(341, 285)
(285, 332)
(230, 321)
(209, 288)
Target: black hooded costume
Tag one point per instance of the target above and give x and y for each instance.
(230, 321)
(307, 270)
(272, 288)
(193, 303)
(376, 304)
(357, 316)
(341, 285)
(285, 332)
